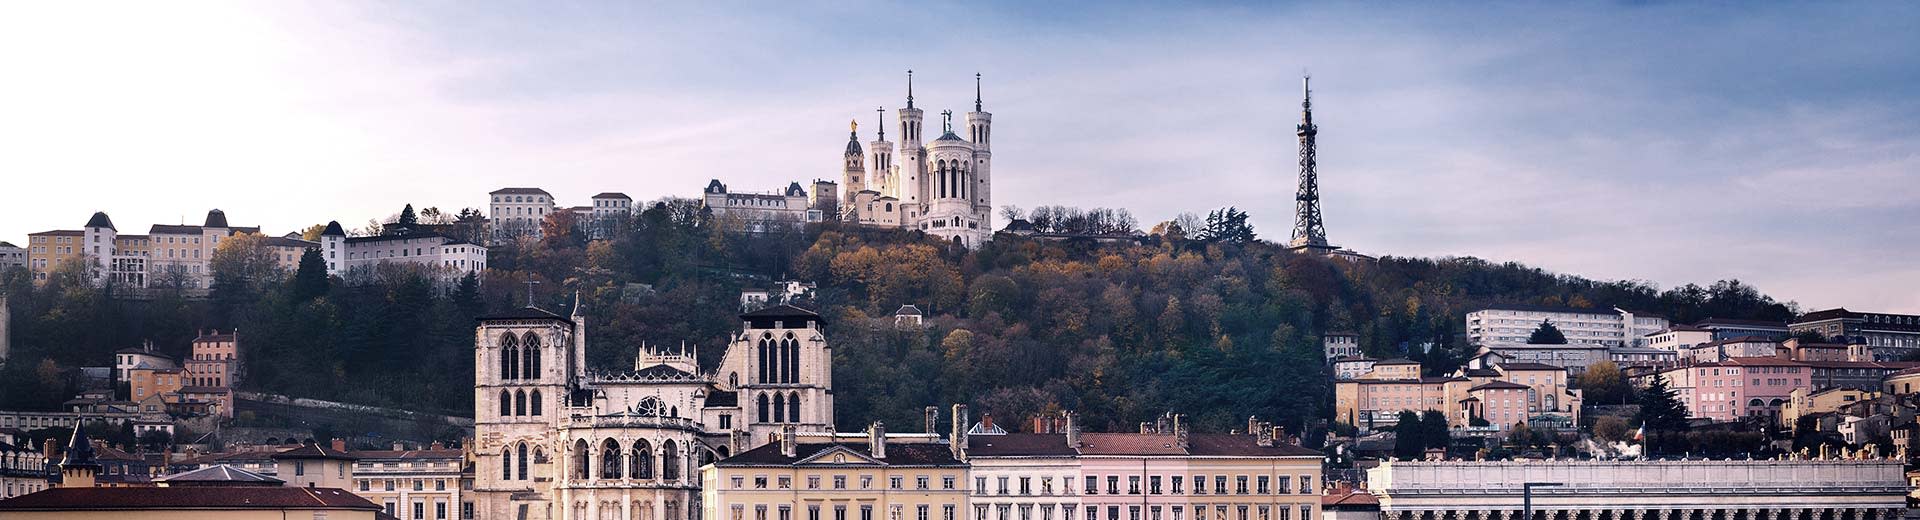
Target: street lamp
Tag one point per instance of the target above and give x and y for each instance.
(1526, 497)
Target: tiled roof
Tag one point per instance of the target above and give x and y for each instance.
(1020, 444)
(1350, 499)
(58, 233)
(174, 498)
(526, 313)
(1242, 445)
(613, 195)
(1824, 315)
(1499, 385)
(898, 454)
(1396, 361)
(782, 311)
(220, 473)
(723, 399)
(314, 451)
(100, 220)
(907, 310)
(287, 242)
(1529, 366)
(408, 454)
(1723, 322)
(1128, 444)
(1546, 308)
(519, 191)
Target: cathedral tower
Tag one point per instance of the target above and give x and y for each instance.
(913, 187)
(880, 160)
(780, 368)
(854, 177)
(980, 131)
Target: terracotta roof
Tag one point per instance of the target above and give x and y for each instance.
(1529, 366)
(1499, 385)
(1711, 322)
(175, 498)
(1128, 444)
(408, 454)
(1242, 445)
(1020, 445)
(1350, 499)
(58, 233)
(1763, 361)
(1396, 361)
(898, 454)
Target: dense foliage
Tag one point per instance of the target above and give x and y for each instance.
(1219, 327)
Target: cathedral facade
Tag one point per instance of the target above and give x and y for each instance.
(943, 187)
(556, 439)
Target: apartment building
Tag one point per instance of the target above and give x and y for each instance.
(1889, 336)
(1500, 325)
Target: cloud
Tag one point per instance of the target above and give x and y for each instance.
(1673, 143)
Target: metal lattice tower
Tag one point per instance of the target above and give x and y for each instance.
(1308, 230)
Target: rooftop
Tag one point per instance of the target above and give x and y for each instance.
(188, 498)
(519, 191)
(898, 454)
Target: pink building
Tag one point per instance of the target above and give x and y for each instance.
(1745, 386)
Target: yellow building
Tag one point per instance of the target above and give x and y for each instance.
(48, 250)
(1376, 398)
(315, 466)
(839, 479)
(1805, 401)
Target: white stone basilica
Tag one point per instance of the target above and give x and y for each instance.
(943, 187)
(556, 439)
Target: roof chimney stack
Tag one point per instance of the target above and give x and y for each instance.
(788, 446)
(877, 440)
(933, 420)
(958, 439)
(1073, 429)
(1180, 431)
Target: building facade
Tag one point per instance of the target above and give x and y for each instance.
(943, 187)
(558, 439)
(514, 213)
(12, 256)
(1891, 337)
(1340, 345)
(759, 212)
(1642, 489)
(870, 478)
(1502, 325)
(444, 257)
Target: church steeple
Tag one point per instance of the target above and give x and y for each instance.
(976, 92)
(880, 120)
(909, 88)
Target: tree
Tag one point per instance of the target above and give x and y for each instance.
(1547, 334)
(310, 280)
(1227, 225)
(1011, 213)
(1660, 411)
(1603, 384)
(407, 218)
(1433, 425)
(1409, 438)
(1610, 429)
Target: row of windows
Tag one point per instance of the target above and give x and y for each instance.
(1153, 512)
(418, 484)
(785, 512)
(1240, 485)
(519, 198)
(897, 483)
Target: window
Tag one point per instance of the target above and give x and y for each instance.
(1176, 484)
(896, 482)
(1261, 485)
(1133, 485)
(947, 482)
(922, 482)
(1240, 484)
(839, 481)
(813, 483)
(1153, 484)
(980, 485)
(1093, 486)
(1306, 485)
(1003, 485)
(1113, 486)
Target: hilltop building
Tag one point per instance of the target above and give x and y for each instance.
(943, 187)
(170, 254)
(759, 212)
(1510, 324)
(1891, 337)
(12, 256)
(447, 258)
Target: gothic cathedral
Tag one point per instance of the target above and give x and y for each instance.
(556, 440)
(942, 187)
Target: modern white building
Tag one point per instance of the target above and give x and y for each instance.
(350, 257)
(1642, 489)
(1500, 325)
(517, 212)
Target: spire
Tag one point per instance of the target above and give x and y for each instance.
(576, 303)
(880, 121)
(976, 92)
(909, 88)
(79, 450)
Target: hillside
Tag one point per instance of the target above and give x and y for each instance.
(1213, 328)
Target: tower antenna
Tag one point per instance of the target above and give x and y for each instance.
(1309, 231)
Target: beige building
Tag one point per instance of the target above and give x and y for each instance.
(48, 250)
(514, 213)
(1642, 489)
(943, 186)
(863, 478)
(427, 484)
(78, 498)
(1804, 401)
(1376, 398)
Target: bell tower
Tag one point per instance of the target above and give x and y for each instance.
(913, 158)
(854, 176)
(980, 132)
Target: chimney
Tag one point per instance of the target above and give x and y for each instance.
(877, 440)
(436, 445)
(396, 446)
(51, 450)
(1073, 429)
(788, 446)
(1160, 424)
(933, 420)
(957, 441)
(1263, 436)
(986, 422)
(1146, 428)
(339, 445)
(736, 441)
(1253, 423)
(1180, 431)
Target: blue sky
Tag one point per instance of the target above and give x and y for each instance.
(1775, 143)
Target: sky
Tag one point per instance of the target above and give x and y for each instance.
(1774, 143)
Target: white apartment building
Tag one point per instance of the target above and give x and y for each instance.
(1504, 325)
(350, 257)
(517, 212)
(603, 218)
(1679, 338)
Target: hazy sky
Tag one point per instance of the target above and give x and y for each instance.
(1778, 144)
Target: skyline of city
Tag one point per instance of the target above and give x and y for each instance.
(1606, 148)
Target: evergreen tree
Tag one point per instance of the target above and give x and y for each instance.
(1433, 425)
(310, 281)
(407, 217)
(1227, 225)
(1547, 334)
(1660, 411)
(1409, 437)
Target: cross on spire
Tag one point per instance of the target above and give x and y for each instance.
(530, 283)
(881, 118)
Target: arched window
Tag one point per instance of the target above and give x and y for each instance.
(640, 464)
(1756, 403)
(766, 358)
(733, 379)
(523, 461)
(779, 407)
(506, 403)
(763, 408)
(508, 348)
(610, 459)
(581, 469)
(533, 403)
(669, 461)
(519, 403)
(532, 354)
(793, 407)
(506, 464)
(793, 359)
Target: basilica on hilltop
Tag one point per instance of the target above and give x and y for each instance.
(557, 439)
(943, 187)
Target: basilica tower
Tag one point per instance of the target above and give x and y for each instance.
(980, 131)
(880, 157)
(913, 187)
(854, 177)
